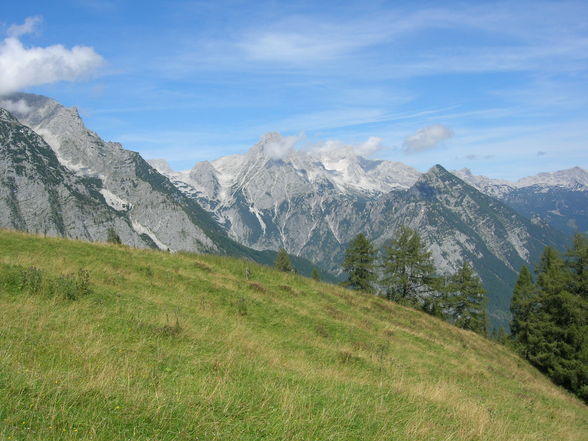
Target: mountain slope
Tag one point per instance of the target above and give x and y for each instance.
(121, 190)
(38, 194)
(558, 199)
(460, 223)
(128, 183)
(314, 203)
(177, 346)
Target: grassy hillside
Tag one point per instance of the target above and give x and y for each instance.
(163, 346)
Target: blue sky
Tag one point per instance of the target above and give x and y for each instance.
(501, 88)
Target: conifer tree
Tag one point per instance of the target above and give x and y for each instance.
(315, 274)
(551, 276)
(359, 264)
(557, 321)
(113, 237)
(409, 273)
(577, 263)
(523, 299)
(467, 301)
(283, 261)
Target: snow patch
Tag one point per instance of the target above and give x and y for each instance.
(114, 201)
(141, 229)
(257, 214)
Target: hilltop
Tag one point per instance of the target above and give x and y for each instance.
(149, 345)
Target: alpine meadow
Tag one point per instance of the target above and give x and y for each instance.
(150, 345)
(294, 221)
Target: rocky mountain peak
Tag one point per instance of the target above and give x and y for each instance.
(272, 145)
(6, 116)
(161, 165)
(571, 177)
(436, 173)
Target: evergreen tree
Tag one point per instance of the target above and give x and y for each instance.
(283, 261)
(112, 236)
(409, 273)
(467, 300)
(359, 264)
(315, 274)
(577, 263)
(557, 321)
(551, 276)
(523, 299)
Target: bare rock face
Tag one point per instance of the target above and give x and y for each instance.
(313, 203)
(40, 195)
(559, 199)
(130, 186)
(60, 178)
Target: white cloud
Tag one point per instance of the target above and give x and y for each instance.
(22, 67)
(26, 28)
(427, 138)
(369, 147)
(19, 106)
(278, 147)
(339, 148)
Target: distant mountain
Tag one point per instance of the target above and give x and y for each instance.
(559, 199)
(61, 179)
(313, 204)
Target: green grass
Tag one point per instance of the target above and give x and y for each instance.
(166, 346)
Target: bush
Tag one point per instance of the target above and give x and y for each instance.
(35, 281)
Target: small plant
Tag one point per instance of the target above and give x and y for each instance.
(146, 270)
(257, 287)
(347, 357)
(316, 275)
(66, 286)
(113, 237)
(283, 261)
(83, 282)
(169, 329)
(32, 280)
(242, 306)
(72, 286)
(202, 266)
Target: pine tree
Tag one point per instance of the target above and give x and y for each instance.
(523, 300)
(577, 263)
(409, 273)
(283, 261)
(359, 264)
(112, 236)
(551, 276)
(467, 300)
(556, 326)
(315, 274)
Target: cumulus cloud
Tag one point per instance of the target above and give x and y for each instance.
(26, 28)
(279, 147)
(369, 147)
(22, 66)
(18, 106)
(427, 138)
(338, 148)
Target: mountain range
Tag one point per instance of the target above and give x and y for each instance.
(59, 178)
(313, 203)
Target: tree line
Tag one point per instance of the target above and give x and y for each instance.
(404, 272)
(549, 310)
